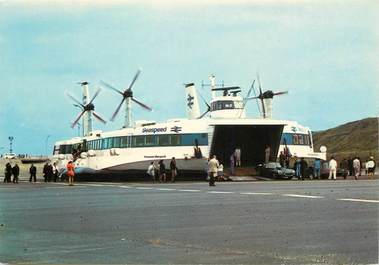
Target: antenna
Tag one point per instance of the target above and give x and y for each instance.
(212, 84)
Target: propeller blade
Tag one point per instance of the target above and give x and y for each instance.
(260, 86)
(97, 116)
(74, 99)
(263, 108)
(111, 87)
(280, 93)
(202, 115)
(142, 105)
(94, 96)
(134, 79)
(117, 110)
(205, 102)
(77, 119)
(252, 98)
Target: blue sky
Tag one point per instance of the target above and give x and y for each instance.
(325, 53)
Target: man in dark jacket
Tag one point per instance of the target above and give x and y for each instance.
(8, 173)
(33, 172)
(45, 171)
(16, 173)
(303, 168)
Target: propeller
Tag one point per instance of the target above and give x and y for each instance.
(245, 99)
(265, 95)
(88, 107)
(206, 103)
(128, 93)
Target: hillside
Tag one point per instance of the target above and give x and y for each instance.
(357, 138)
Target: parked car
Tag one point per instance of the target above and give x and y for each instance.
(324, 171)
(275, 170)
(9, 156)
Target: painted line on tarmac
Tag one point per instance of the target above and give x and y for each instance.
(190, 190)
(221, 192)
(256, 193)
(125, 187)
(96, 185)
(302, 196)
(143, 188)
(165, 189)
(359, 200)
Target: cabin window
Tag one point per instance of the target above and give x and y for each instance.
(163, 140)
(301, 139)
(150, 140)
(124, 142)
(105, 143)
(295, 139)
(175, 139)
(138, 141)
(117, 142)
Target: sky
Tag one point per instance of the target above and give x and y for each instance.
(325, 53)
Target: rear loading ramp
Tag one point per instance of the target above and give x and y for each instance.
(251, 139)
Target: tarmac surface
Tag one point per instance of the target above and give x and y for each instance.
(266, 222)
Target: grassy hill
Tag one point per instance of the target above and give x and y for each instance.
(357, 138)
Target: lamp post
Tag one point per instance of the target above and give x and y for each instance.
(47, 139)
(10, 138)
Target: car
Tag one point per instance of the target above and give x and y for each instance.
(9, 156)
(275, 170)
(324, 171)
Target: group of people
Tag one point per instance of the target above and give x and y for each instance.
(157, 171)
(9, 171)
(50, 172)
(354, 166)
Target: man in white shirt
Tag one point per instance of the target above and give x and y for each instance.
(357, 167)
(332, 168)
(212, 167)
(237, 155)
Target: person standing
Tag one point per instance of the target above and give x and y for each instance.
(162, 171)
(55, 171)
(220, 172)
(282, 159)
(8, 173)
(150, 171)
(70, 172)
(45, 172)
(356, 167)
(332, 169)
(267, 154)
(232, 163)
(156, 170)
(350, 166)
(371, 167)
(303, 168)
(317, 168)
(16, 173)
(213, 165)
(33, 173)
(174, 169)
(297, 168)
(197, 150)
(237, 155)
